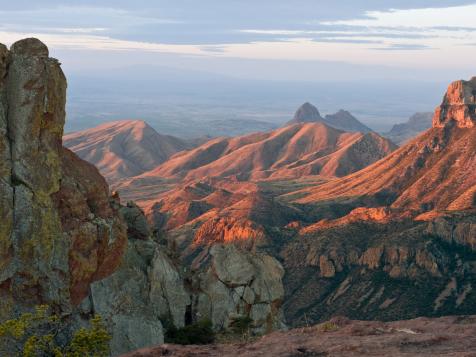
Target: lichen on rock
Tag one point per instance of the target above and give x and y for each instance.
(58, 229)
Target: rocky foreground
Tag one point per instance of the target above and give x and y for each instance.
(447, 336)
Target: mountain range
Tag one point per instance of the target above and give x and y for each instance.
(300, 225)
(124, 148)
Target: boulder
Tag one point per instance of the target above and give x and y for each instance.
(234, 282)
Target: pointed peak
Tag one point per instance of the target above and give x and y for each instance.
(306, 113)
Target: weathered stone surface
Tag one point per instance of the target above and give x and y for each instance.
(58, 231)
(233, 282)
(326, 267)
(92, 226)
(137, 226)
(459, 231)
(145, 291)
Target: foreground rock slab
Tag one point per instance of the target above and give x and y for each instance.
(448, 336)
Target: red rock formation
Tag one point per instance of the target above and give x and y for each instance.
(459, 104)
(228, 230)
(97, 235)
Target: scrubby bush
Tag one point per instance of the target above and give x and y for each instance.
(37, 334)
(198, 333)
(328, 327)
(241, 325)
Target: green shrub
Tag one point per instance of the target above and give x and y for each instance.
(241, 325)
(199, 333)
(36, 335)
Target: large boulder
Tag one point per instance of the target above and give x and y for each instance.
(234, 283)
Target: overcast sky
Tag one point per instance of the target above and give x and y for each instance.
(272, 39)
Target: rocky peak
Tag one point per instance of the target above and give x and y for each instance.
(30, 47)
(459, 105)
(307, 113)
(58, 232)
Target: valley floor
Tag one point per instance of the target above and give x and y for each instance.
(446, 336)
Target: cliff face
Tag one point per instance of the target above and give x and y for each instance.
(459, 104)
(58, 231)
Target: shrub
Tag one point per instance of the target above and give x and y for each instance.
(328, 327)
(199, 333)
(241, 325)
(36, 335)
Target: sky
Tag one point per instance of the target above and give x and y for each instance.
(260, 39)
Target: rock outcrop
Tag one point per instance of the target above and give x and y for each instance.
(58, 232)
(459, 105)
(143, 294)
(396, 270)
(150, 292)
(228, 230)
(234, 283)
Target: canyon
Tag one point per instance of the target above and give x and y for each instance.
(319, 220)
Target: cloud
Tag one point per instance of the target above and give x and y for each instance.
(403, 47)
(448, 17)
(75, 41)
(278, 30)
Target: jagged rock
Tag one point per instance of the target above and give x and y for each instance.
(233, 282)
(392, 270)
(58, 232)
(146, 290)
(461, 231)
(90, 223)
(459, 104)
(229, 230)
(326, 267)
(137, 226)
(145, 293)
